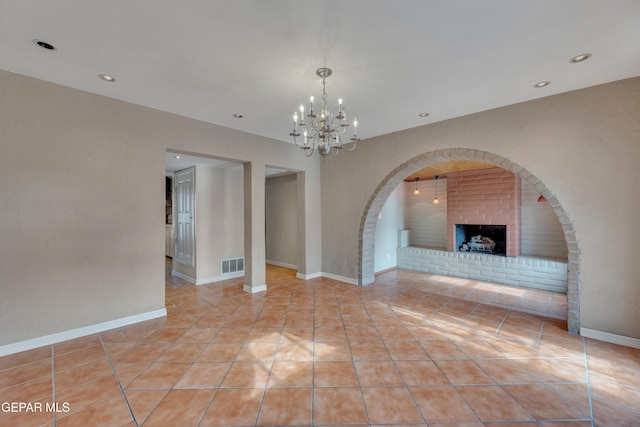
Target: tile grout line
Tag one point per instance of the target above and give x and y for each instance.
(453, 386)
(586, 365)
(540, 332)
(504, 319)
(549, 306)
(228, 369)
(313, 346)
(393, 361)
(266, 384)
(490, 302)
(478, 304)
(406, 387)
(195, 360)
(206, 409)
(150, 365)
(353, 362)
(113, 370)
(539, 381)
(53, 382)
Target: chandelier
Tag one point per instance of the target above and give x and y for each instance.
(323, 131)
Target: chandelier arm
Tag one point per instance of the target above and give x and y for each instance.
(308, 150)
(353, 147)
(295, 141)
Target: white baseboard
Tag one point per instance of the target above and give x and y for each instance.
(219, 278)
(183, 277)
(213, 279)
(610, 338)
(254, 289)
(79, 332)
(340, 278)
(282, 264)
(241, 274)
(327, 275)
(308, 276)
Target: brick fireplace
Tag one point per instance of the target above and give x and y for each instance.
(488, 197)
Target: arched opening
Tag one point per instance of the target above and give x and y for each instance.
(376, 202)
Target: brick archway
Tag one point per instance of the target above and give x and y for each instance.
(366, 246)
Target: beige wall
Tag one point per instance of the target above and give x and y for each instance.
(281, 214)
(541, 233)
(575, 143)
(219, 219)
(390, 222)
(82, 211)
(426, 222)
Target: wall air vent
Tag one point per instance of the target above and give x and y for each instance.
(231, 265)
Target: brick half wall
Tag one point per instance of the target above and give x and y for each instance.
(485, 197)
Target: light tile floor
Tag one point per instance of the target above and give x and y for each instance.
(412, 349)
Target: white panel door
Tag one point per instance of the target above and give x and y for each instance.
(185, 200)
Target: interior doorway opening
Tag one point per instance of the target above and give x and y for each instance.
(206, 220)
(219, 218)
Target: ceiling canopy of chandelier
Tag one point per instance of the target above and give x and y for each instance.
(323, 131)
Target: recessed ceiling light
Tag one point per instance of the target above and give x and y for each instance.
(542, 84)
(237, 116)
(580, 58)
(44, 45)
(176, 157)
(423, 114)
(107, 78)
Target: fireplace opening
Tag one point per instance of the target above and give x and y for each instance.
(489, 239)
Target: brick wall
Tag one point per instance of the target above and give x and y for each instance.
(525, 272)
(486, 197)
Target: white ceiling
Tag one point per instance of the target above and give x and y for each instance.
(391, 59)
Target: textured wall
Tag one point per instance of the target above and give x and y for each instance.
(390, 222)
(540, 231)
(427, 222)
(281, 213)
(219, 219)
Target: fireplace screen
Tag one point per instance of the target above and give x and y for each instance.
(490, 239)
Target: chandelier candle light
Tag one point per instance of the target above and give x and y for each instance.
(324, 131)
